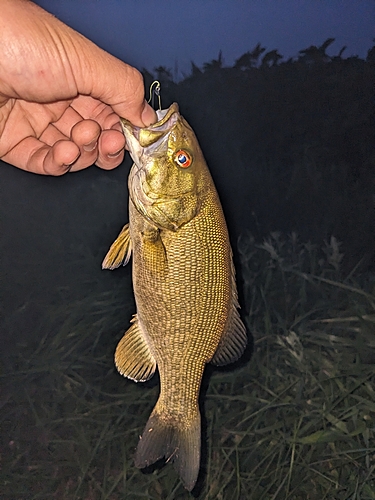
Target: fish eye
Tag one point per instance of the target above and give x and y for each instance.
(183, 158)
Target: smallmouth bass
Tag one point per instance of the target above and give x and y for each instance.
(184, 286)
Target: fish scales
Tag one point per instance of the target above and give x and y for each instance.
(184, 286)
(167, 306)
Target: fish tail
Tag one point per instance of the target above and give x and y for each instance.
(176, 440)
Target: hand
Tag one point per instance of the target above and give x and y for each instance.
(61, 96)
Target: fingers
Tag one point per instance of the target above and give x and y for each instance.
(111, 149)
(35, 156)
(58, 155)
(96, 130)
(85, 134)
(82, 136)
(104, 148)
(148, 115)
(58, 160)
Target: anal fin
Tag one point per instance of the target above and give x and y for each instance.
(133, 357)
(120, 250)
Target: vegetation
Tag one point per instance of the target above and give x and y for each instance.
(296, 422)
(290, 145)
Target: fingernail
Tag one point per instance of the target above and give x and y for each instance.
(148, 115)
(114, 155)
(69, 165)
(91, 146)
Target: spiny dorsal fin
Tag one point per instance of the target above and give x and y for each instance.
(234, 339)
(133, 357)
(120, 250)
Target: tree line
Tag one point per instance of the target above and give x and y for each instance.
(290, 143)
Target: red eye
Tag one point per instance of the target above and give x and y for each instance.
(183, 158)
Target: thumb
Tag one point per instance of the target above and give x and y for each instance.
(120, 86)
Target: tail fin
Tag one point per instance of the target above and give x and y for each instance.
(175, 440)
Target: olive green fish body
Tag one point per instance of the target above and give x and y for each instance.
(184, 286)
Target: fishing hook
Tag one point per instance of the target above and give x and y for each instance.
(155, 90)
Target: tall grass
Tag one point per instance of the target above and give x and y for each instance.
(296, 421)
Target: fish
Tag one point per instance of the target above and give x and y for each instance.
(187, 310)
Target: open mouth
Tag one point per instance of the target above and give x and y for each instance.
(152, 137)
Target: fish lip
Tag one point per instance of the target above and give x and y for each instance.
(163, 114)
(153, 135)
(145, 141)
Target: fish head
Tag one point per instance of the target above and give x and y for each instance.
(165, 180)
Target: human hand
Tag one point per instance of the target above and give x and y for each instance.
(61, 96)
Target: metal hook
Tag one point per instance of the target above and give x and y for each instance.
(155, 90)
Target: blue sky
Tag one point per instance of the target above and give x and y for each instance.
(149, 33)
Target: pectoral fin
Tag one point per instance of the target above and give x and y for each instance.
(153, 251)
(120, 250)
(133, 357)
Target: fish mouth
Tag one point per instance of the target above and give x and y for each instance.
(147, 140)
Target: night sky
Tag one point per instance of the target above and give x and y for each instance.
(171, 33)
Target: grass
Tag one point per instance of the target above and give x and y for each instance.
(297, 421)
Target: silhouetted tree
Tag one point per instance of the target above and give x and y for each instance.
(316, 55)
(195, 71)
(271, 58)
(326, 44)
(163, 74)
(371, 54)
(338, 58)
(339, 55)
(215, 64)
(249, 59)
